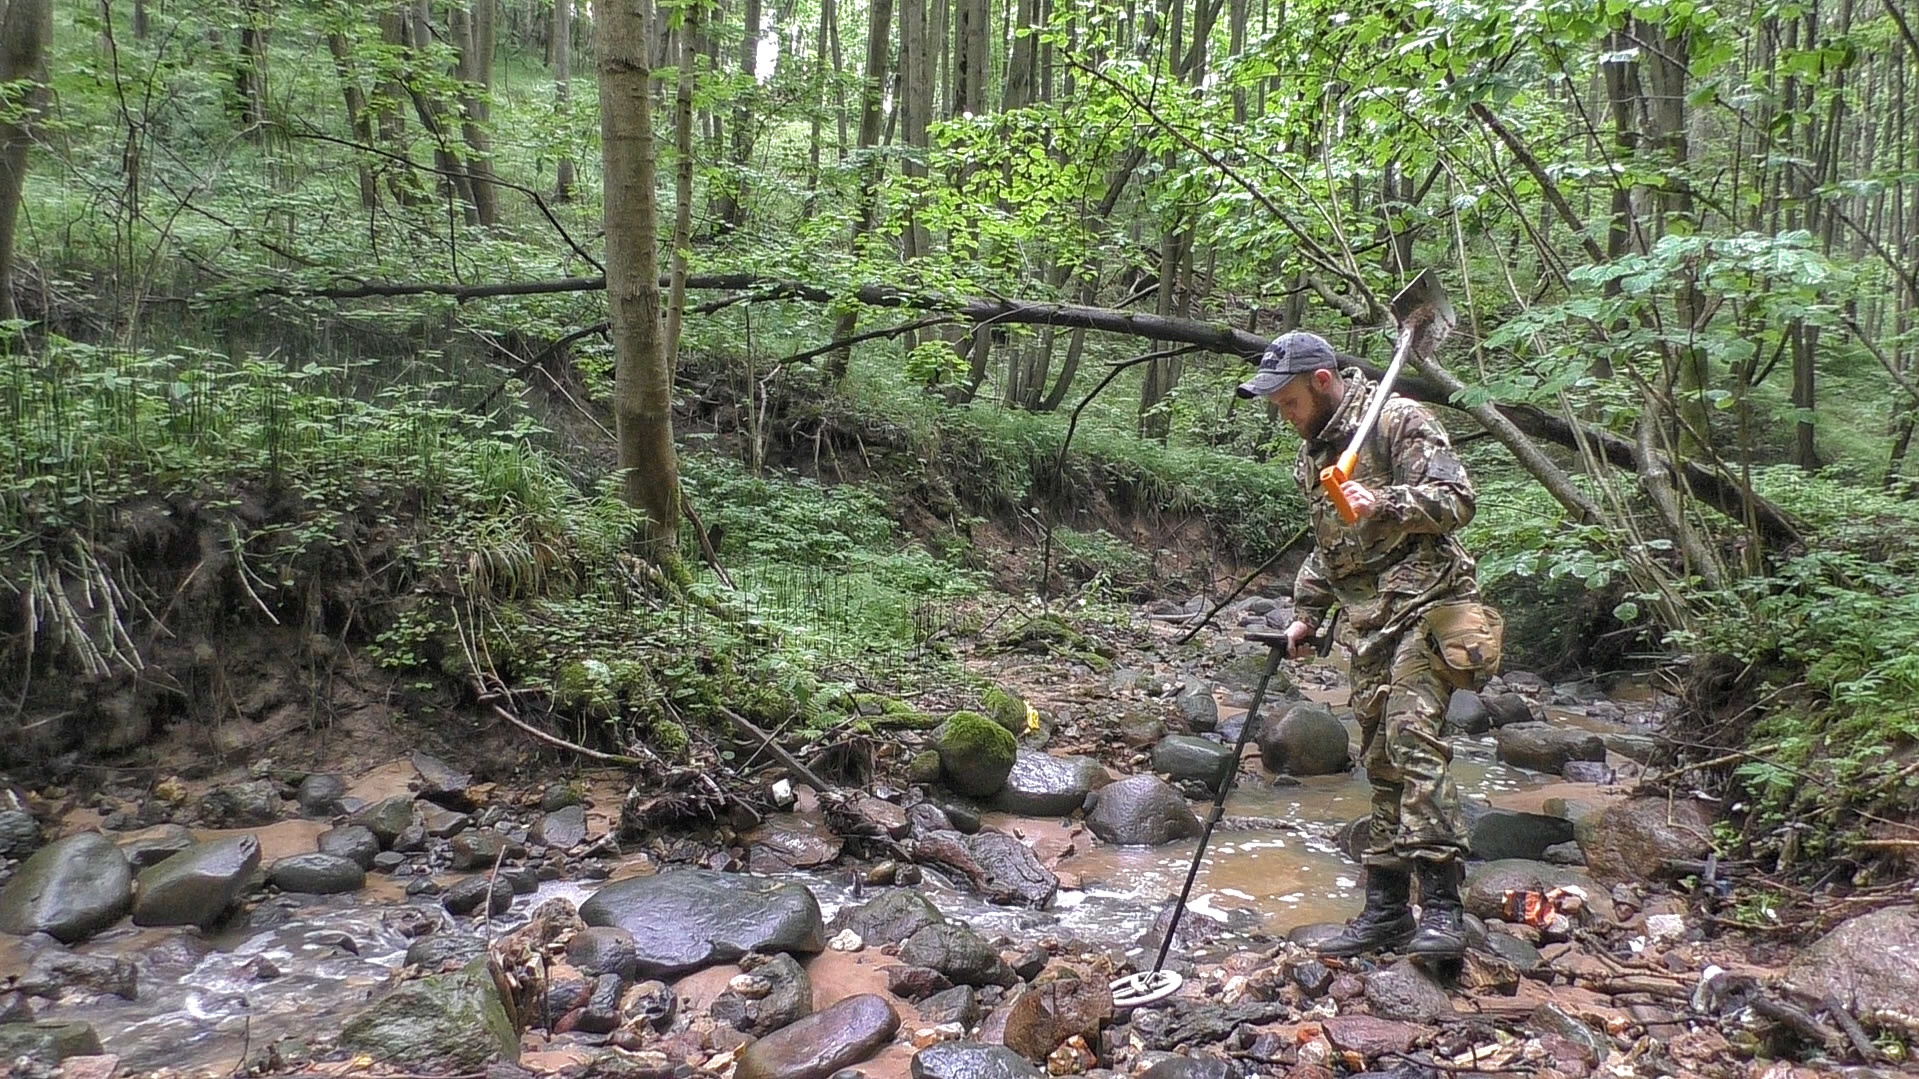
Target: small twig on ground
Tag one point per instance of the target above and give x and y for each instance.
(492, 702)
(1855, 1033)
(748, 727)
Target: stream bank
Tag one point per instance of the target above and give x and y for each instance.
(854, 929)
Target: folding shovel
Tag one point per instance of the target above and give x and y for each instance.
(1425, 317)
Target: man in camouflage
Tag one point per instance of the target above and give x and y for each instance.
(1386, 572)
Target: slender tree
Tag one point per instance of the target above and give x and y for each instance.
(26, 28)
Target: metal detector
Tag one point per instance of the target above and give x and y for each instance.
(1151, 986)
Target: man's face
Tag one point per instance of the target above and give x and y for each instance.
(1304, 404)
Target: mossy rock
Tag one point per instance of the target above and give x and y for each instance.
(1006, 709)
(445, 1022)
(1043, 633)
(924, 767)
(976, 754)
(890, 713)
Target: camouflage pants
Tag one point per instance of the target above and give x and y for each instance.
(1400, 702)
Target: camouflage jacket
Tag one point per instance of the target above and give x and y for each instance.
(1385, 569)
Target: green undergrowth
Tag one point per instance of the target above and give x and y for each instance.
(456, 547)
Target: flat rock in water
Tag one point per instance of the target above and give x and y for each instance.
(685, 920)
(47, 1043)
(441, 782)
(441, 1023)
(971, 1060)
(197, 885)
(800, 842)
(822, 1043)
(1141, 810)
(1506, 833)
(317, 874)
(70, 888)
(1547, 749)
(1042, 785)
(1003, 869)
(957, 952)
(151, 846)
(1871, 965)
(888, 919)
(1634, 839)
(1188, 756)
(355, 842)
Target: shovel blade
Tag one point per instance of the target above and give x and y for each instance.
(1423, 309)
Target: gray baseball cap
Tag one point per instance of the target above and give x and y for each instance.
(1290, 354)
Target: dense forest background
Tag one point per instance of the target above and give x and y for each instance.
(649, 356)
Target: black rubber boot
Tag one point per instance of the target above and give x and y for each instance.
(1387, 921)
(1442, 926)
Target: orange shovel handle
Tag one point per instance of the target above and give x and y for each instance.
(1330, 479)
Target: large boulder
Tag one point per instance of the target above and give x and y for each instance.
(976, 754)
(1190, 757)
(686, 920)
(317, 873)
(1508, 709)
(354, 842)
(1634, 839)
(563, 829)
(889, 919)
(1466, 714)
(822, 1043)
(1870, 964)
(1141, 810)
(1042, 785)
(1487, 885)
(1547, 749)
(1308, 740)
(319, 794)
(70, 889)
(971, 1060)
(242, 805)
(1506, 833)
(442, 1023)
(197, 885)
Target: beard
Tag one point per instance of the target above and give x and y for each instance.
(1324, 405)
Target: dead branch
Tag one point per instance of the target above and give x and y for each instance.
(752, 729)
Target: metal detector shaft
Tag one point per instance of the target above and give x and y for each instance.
(1275, 648)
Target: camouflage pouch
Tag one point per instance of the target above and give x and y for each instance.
(1466, 636)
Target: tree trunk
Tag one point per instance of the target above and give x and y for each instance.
(472, 32)
(682, 176)
(880, 22)
(562, 49)
(731, 206)
(26, 29)
(250, 69)
(359, 121)
(643, 382)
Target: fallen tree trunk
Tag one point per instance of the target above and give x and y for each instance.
(1776, 528)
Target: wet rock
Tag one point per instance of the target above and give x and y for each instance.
(650, 1002)
(1547, 749)
(319, 794)
(601, 1013)
(971, 1060)
(684, 920)
(959, 1004)
(1634, 747)
(1871, 964)
(19, 833)
(151, 846)
(965, 818)
(781, 994)
(1190, 757)
(960, 954)
(1563, 854)
(1487, 884)
(441, 1023)
(317, 874)
(58, 974)
(1505, 833)
(441, 822)
(1467, 714)
(1507, 709)
(1371, 1036)
(976, 754)
(1307, 741)
(1201, 1022)
(1523, 956)
(1313, 977)
(197, 885)
(1484, 972)
(1141, 810)
(1030, 962)
(1002, 868)
(47, 1043)
(1054, 1009)
(1404, 991)
(1191, 1067)
(1588, 772)
(389, 861)
(242, 805)
(915, 983)
(1042, 785)
(603, 949)
(796, 842)
(386, 818)
(815, 1047)
(442, 952)
(354, 842)
(472, 893)
(877, 816)
(1571, 809)
(1634, 839)
(412, 839)
(1197, 706)
(441, 782)
(70, 889)
(889, 919)
(1593, 1045)
(476, 849)
(171, 955)
(1137, 730)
